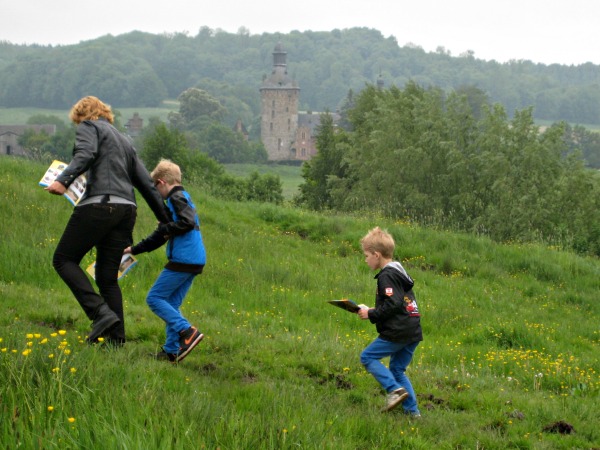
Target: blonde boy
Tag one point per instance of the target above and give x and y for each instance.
(186, 259)
(397, 320)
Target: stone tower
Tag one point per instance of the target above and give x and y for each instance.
(279, 110)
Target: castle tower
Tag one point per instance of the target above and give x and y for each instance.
(279, 110)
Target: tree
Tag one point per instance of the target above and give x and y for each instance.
(47, 119)
(327, 163)
(161, 142)
(197, 108)
(34, 144)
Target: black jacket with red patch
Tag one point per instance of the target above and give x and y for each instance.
(396, 314)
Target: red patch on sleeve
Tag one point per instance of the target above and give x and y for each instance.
(389, 291)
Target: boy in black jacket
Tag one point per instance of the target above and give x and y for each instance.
(397, 319)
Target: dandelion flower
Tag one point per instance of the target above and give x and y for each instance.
(71, 419)
(73, 370)
(62, 333)
(50, 408)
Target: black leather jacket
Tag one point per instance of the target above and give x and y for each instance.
(112, 166)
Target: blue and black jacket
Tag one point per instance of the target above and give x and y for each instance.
(185, 248)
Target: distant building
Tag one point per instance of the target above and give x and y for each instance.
(286, 133)
(240, 128)
(279, 110)
(134, 125)
(10, 134)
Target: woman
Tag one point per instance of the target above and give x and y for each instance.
(105, 216)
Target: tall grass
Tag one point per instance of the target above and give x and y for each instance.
(510, 350)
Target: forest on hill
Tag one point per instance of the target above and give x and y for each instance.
(139, 69)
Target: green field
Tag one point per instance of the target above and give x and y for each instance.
(509, 361)
(20, 116)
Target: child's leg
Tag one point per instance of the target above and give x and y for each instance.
(399, 361)
(371, 358)
(165, 299)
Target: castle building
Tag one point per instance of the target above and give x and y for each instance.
(286, 133)
(279, 110)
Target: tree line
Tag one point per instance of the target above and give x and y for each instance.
(140, 69)
(419, 155)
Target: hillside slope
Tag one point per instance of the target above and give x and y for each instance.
(510, 357)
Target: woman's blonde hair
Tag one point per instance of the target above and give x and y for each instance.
(90, 108)
(167, 171)
(378, 240)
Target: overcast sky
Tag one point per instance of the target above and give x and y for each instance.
(544, 31)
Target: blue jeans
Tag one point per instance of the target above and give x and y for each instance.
(395, 377)
(165, 298)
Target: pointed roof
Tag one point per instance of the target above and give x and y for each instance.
(279, 78)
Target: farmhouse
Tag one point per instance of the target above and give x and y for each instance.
(10, 134)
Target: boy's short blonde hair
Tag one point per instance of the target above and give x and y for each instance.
(167, 171)
(378, 240)
(90, 108)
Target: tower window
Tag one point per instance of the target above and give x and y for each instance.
(271, 126)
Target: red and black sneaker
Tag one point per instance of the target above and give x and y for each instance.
(188, 339)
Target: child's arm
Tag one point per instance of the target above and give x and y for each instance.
(155, 240)
(185, 216)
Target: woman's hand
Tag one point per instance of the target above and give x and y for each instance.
(56, 188)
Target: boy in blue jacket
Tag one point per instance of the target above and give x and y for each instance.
(186, 259)
(397, 319)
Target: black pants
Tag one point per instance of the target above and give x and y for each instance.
(109, 228)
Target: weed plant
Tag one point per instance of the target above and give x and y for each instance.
(509, 360)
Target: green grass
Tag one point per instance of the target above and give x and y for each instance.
(279, 368)
(20, 116)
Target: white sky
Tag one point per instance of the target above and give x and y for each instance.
(544, 31)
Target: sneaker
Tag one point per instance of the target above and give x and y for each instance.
(394, 398)
(188, 339)
(164, 356)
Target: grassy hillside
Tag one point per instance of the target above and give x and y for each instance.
(510, 357)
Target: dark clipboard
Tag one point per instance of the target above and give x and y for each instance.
(346, 304)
